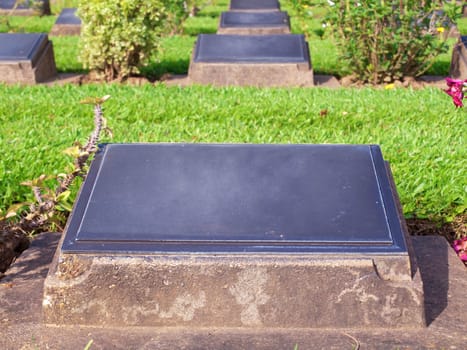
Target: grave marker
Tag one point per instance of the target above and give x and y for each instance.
(67, 23)
(26, 58)
(261, 236)
(458, 69)
(254, 23)
(255, 60)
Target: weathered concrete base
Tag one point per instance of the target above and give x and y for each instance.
(251, 74)
(39, 69)
(201, 290)
(458, 68)
(65, 29)
(443, 274)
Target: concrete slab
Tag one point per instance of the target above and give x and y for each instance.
(67, 23)
(254, 5)
(253, 60)
(26, 58)
(254, 23)
(247, 236)
(443, 274)
(25, 7)
(458, 69)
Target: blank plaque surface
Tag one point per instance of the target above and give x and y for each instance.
(245, 5)
(254, 19)
(236, 198)
(21, 47)
(68, 16)
(10, 4)
(291, 48)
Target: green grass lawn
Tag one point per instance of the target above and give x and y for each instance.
(420, 131)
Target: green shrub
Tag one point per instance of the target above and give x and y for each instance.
(383, 41)
(118, 36)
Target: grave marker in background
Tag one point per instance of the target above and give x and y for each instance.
(250, 236)
(67, 23)
(26, 58)
(25, 7)
(251, 60)
(254, 23)
(458, 69)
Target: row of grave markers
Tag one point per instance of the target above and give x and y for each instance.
(253, 46)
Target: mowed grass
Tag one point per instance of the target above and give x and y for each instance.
(420, 132)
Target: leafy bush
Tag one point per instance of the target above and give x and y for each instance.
(383, 41)
(118, 36)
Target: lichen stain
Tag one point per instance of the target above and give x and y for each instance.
(185, 306)
(249, 292)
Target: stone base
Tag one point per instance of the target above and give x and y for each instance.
(38, 68)
(65, 29)
(253, 30)
(458, 68)
(442, 272)
(259, 75)
(231, 291)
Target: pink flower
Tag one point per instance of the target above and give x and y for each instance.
(455, 90)
(460, 246)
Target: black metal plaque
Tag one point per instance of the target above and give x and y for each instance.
(68, 16)
(236, 198)
(290, 48)
(464, 40)
(254, 5)
(21, 47)
(254, 19)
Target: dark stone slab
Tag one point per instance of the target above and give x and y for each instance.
(21, 47)
(254, 5)
(68, 16)
(26, 58)
(254, 19)
(252, 49)
(9, 4)
(25, 7)
(254, 23)
(236, 198)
